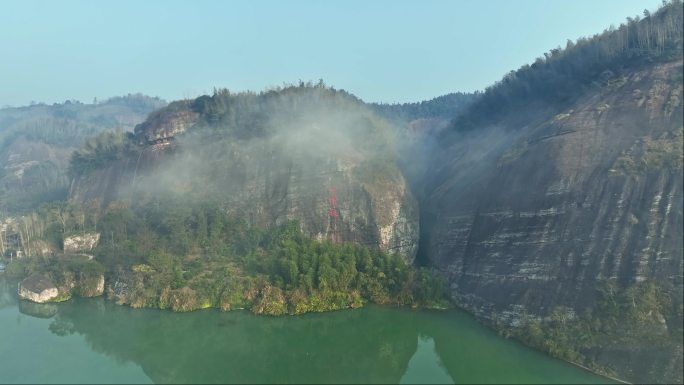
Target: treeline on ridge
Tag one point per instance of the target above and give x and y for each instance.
(563, 74)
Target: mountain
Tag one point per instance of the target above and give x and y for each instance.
(555, 202)
(306, 153)
(282, 202)
(36, 143)
(551, 203)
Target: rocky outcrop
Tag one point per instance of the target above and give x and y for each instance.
(92, 286)
(61, 284)
(166, 123)
(38, 288)
(528, 218)
(82, 242)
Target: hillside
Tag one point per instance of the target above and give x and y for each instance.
(36, 143)
(306, 153)
(555, 205)
(550, 206)
(286, 201)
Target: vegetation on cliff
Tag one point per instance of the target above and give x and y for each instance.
(99, 150)
(564, 74)
(173, 254)
(445, 107)
(187, 257)
(71, 274)
(646, 314)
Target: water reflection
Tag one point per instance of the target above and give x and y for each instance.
(6, 297)
(369, 345)
(426, 367)
(237, 347)
(36, 349)
(39, 310)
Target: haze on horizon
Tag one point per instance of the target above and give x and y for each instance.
(382, 51)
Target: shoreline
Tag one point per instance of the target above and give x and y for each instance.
(589, 370)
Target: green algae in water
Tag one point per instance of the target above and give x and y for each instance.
(93, 340)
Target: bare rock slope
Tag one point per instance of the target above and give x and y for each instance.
(528, 218)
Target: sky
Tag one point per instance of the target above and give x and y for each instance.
(381, 50)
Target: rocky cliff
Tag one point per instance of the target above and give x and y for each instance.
(305, 153)
(525, 218)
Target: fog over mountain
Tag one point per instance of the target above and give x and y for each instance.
(549, 205)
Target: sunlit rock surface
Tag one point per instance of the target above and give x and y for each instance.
(82, 242)
(38, 288)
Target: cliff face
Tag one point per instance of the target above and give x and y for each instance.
(311, 161)
(526, 218)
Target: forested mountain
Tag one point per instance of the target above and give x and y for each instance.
(554, 202)
(284, 201)
(272, 156)
(36, 143)
(442, 107)
(563, 75)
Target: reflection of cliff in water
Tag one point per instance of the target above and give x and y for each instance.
(365, 345)
(426, 364)
(6, 299)
(40, 310)
(370, 345)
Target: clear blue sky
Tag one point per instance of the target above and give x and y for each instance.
(383, 50)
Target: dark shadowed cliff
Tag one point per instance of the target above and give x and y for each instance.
(549, 205)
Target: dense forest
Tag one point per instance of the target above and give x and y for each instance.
(171, 254)
(225, 118)
(561, 75)
(443, 107)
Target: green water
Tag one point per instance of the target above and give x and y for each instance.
(94, 340)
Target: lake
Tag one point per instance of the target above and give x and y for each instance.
(94, 340)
